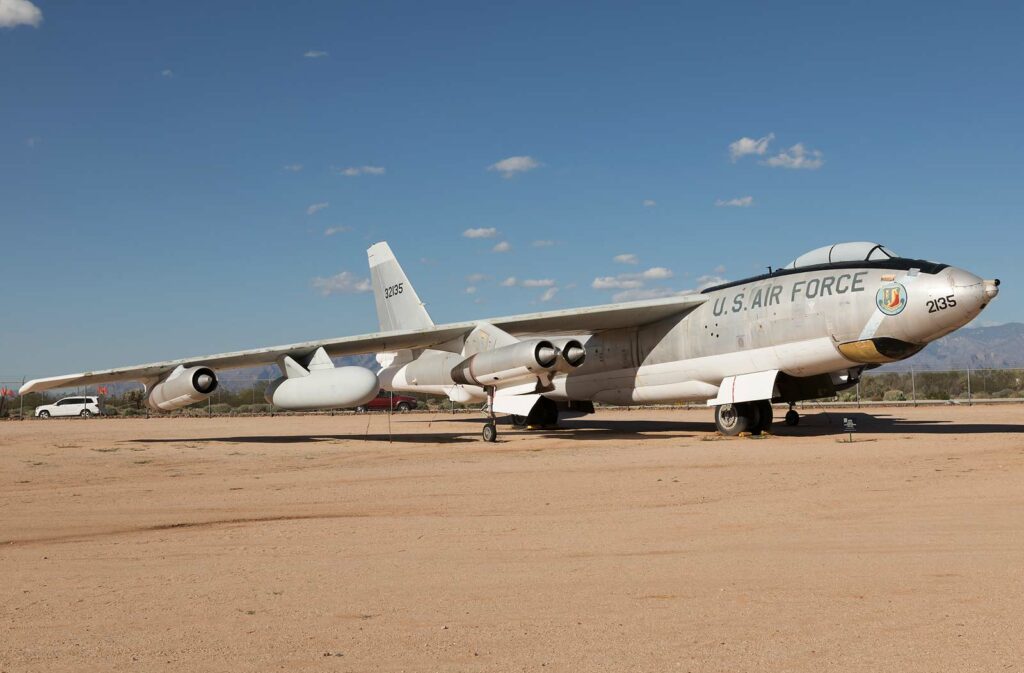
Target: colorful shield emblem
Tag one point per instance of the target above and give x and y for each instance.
(891, 298)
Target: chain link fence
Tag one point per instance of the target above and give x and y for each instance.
(239, 395)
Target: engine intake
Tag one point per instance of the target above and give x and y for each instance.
(571, 355)
(518, 360)
(181, 388)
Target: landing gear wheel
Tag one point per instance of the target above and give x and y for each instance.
(490, 432)
(519, 421)
(765, 416)
(792, 417)
(544, 414)
(85, 413)
(732, 419)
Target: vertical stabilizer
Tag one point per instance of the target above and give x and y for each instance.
(398, 305)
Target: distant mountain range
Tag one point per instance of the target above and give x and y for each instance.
(997, 347)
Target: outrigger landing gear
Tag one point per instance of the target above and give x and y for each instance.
(490, 431)
(792, 416)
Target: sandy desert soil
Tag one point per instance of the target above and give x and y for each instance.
(633, 541)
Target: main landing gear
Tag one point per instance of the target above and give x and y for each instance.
(752, 417)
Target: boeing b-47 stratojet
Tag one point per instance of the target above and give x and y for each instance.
(801, 332)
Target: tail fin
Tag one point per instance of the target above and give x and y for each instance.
(398, 305)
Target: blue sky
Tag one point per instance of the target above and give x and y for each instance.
(161, 163)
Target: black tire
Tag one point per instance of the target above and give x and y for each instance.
(44, 414)
(765, 416)
(85, 413)
(519, 421)
(403, 407)
(490, 432)
(361, 409)
(792, 418)
(732, 419)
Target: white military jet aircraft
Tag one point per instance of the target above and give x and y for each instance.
(800, 332)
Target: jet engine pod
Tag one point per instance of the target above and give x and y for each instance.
(338, 388)
(181, 388)
(518, 360)
(572, 355)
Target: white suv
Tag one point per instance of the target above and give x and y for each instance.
(72, 406)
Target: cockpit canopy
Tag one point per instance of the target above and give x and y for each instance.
(857, 251)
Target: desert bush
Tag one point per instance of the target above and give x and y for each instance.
(894, 396)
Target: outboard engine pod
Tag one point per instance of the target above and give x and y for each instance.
(181, 388)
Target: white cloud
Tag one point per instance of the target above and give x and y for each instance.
(19, 13)
(166, 72)
(650, 203)
(635, 282)
(352, 171)
(511, 166)
(345, 282)
(657, 273)
(710, 281)
(293, 168)
(626, 258)
(621, 282)
(796, 156)
(739, 202)
(504, 246)
(480, 232)
(471, 290)
(745, 146)
(476, 277)
(512, 281)
(331, 231)
(31, 141)
(720, 268)
(315, 208)
(314, 53)
(647, 293)
(542, 244)
(549, 294)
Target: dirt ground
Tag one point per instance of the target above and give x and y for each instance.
(631, 541)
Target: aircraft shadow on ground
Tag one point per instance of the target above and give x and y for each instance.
(831, 422)
(418, 438)
(811, 425)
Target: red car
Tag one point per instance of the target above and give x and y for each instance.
(386, 400)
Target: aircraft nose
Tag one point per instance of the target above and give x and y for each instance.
(955, 301)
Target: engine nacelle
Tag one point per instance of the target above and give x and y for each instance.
(571, 355)
(338, 388)
(181, 388)
(518, 360)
